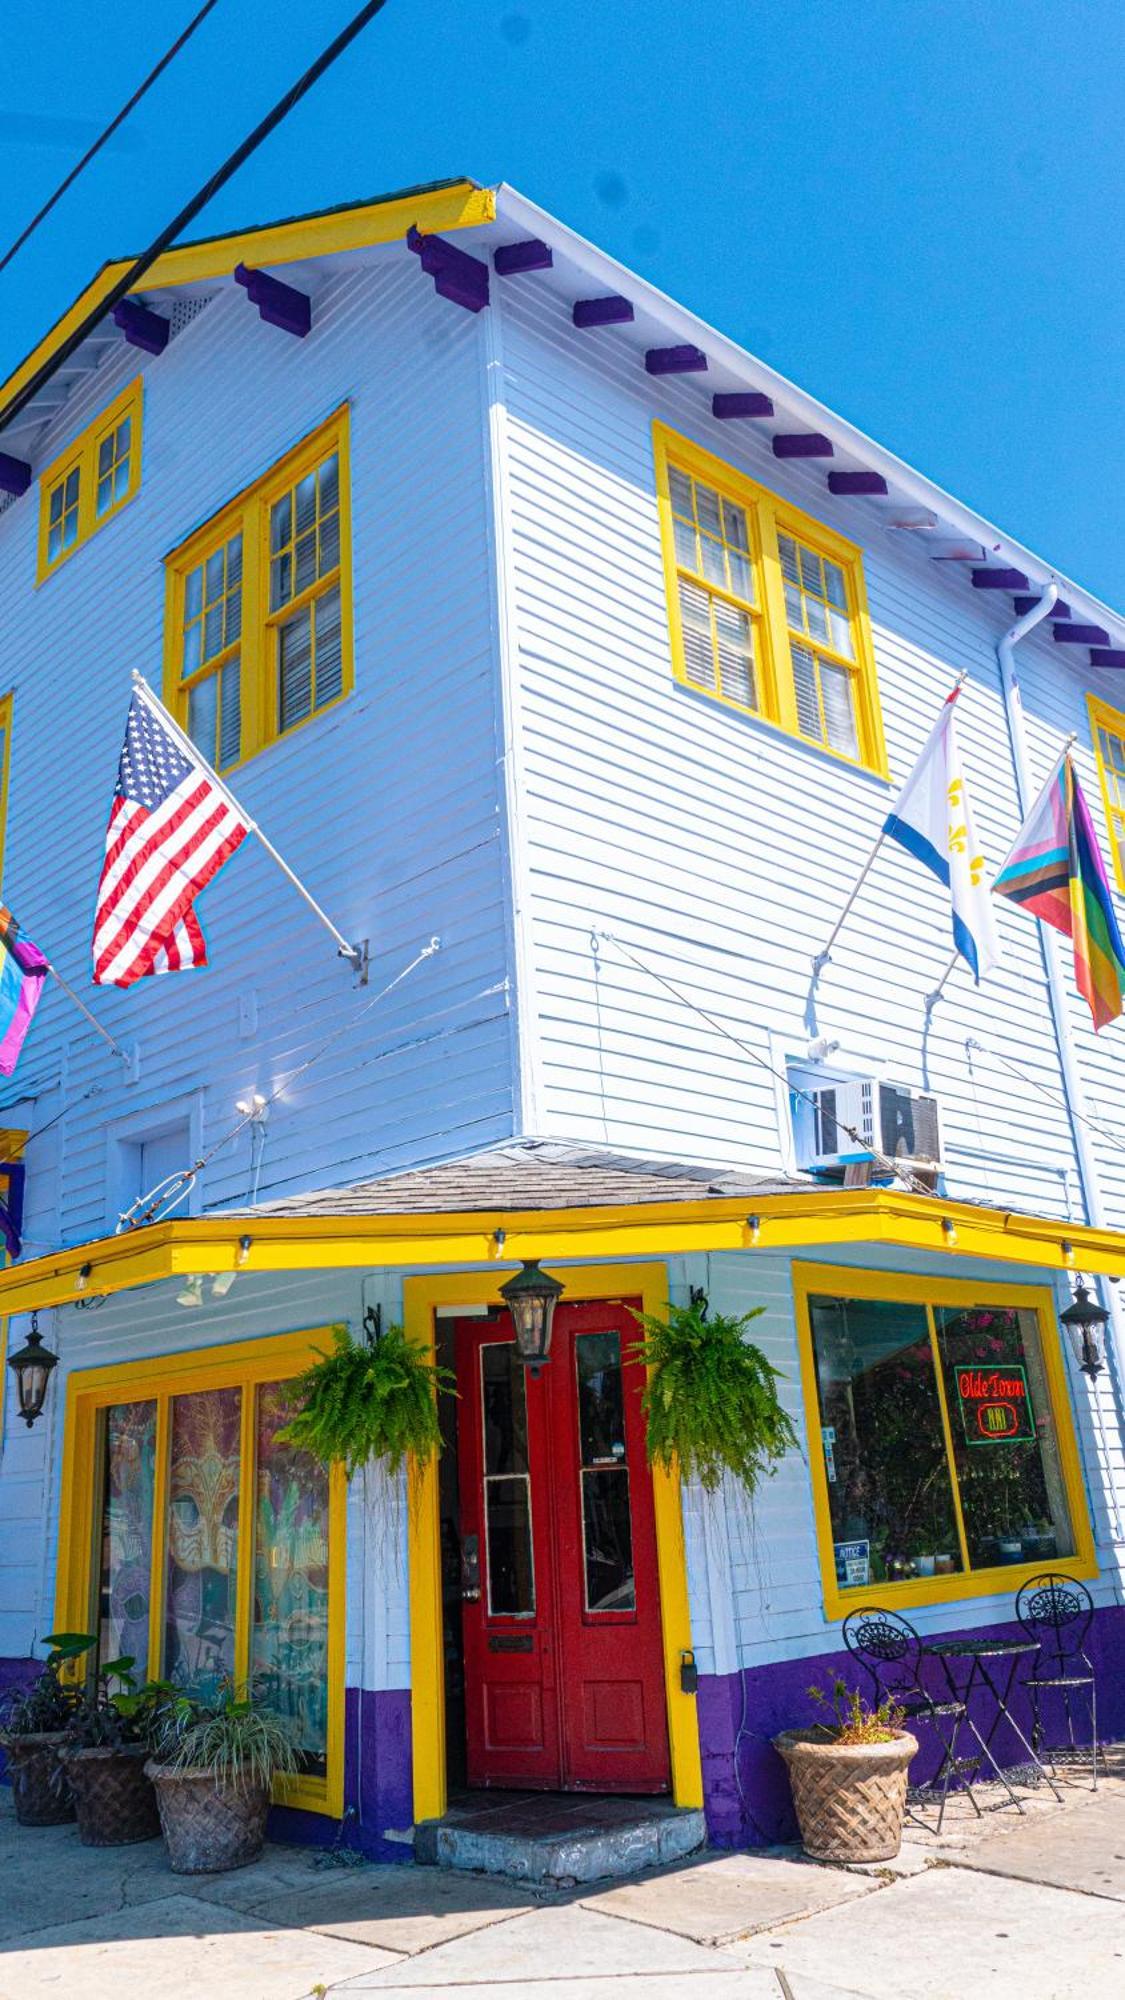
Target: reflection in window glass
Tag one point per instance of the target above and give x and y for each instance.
(289, 1639)
(607, 1529)
(889, 1490)
(203, 1483)
(1004, 1446)
(125, 1587)
(507, 1488)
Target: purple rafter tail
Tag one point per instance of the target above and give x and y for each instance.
(530, 255)
(457, 276)
(610, 310)
(141, 326)
(278, 304)
(15, 474)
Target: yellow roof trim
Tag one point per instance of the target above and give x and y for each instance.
(643, 1230)
(462, 206)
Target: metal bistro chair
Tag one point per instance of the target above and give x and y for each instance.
(1057, 1612)
(890, 1650)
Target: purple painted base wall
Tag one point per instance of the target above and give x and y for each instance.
(746, 1791)
(15, 1674)
(378, 1782)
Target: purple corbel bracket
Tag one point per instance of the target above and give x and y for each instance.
(856, 482)
(141, 326)
(610, 310)
(999, 579)
(675, 360)
(741, 403)
(1107, 656)
(1069, 634)
(11, 1207)
(530, 255)
(457, 276)
(1059, 610)
(15, 474)
(278, 304)
(801, 444)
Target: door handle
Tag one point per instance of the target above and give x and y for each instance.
(470, 1596)
(470, 1569)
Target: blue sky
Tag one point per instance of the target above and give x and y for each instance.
(913, 210)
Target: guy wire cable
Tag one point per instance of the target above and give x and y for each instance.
(167, 236)
(104, 136)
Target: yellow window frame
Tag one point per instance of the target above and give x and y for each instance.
(249, 514)
(243, 1365)
(81, 455)
(768, 516)
(842, 1281)
(1103, 717)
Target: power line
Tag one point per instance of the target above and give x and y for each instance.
(103, 137)
(167, 236)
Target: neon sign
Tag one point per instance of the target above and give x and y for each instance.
(996, 1404)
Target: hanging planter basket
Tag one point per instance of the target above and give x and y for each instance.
(209, 1824)
(115, 1800)
(40, 1787)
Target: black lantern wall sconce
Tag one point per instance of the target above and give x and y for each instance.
(1085, 1322)
(32, 1364)
(531, 1297)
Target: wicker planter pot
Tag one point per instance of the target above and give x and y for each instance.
(116, 1803)
(208, 1826)
(40, 1786)
(850, 1797)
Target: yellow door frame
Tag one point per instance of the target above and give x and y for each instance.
(421, 1297)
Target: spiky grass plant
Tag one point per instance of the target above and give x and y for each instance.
(711, 1398)
(241, 1745)
(369, 1401)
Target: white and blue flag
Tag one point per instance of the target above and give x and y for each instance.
(933, 820)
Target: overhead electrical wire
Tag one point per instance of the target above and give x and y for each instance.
(131, 278)
(104, 136)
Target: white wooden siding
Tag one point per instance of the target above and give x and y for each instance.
(389, 805)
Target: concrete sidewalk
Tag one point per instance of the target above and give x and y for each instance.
(1010, 1908)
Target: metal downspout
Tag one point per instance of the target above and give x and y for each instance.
(1073, 1086)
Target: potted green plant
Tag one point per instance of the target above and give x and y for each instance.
(33, 1732)
(711, 1398)
(369, 1399)
(213, 1767)
(108, 1741)
(848, 1777)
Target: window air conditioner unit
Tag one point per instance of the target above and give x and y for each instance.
(889, 1119)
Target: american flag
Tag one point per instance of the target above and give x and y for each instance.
(171, 827)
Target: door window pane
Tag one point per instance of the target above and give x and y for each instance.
(1004, 1445)
(203, 1496)
(125, 1589)
(607, 1530)
(889, 1492)
(507, 1488)
(289, 1642)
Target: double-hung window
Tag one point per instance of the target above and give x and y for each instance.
(1108, 730)
(943, 1456)
(259, 611)
(91, 480)
(766, 607)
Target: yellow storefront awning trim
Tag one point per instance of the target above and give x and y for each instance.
(828, 1219)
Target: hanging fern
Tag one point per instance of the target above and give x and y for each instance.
(711, 1400)
(362, 1402)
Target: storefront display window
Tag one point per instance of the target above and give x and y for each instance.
(943, 1435)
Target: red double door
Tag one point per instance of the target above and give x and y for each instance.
(564, 1677)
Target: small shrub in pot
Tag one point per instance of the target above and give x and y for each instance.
(33, 1732)
(213, 1767)
(848, 1777)
(107, 1744)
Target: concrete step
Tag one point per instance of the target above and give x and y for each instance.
(558, 1839)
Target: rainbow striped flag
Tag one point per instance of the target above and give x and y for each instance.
(23, 970)
(1055, 871)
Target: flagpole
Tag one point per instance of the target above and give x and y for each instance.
(56, 975)
(351, 952)
(822, 957)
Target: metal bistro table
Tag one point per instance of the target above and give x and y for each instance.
(993, 1666)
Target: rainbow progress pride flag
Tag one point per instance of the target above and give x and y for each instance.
(1055, 871)
(23, 970)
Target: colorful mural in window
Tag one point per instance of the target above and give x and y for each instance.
(202, 1579)
(289, 1638)
(125, 1591)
